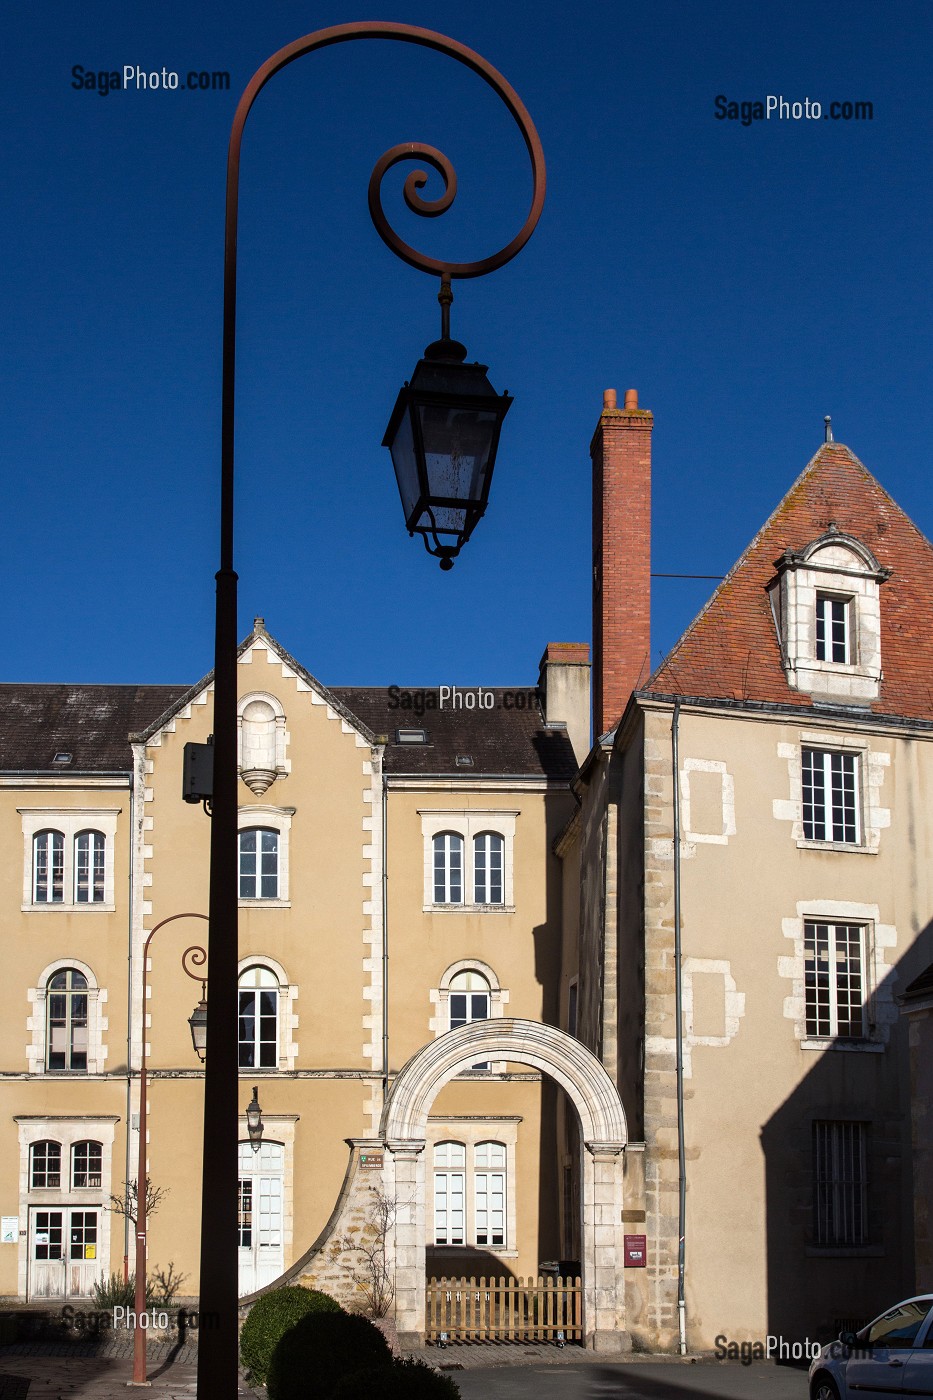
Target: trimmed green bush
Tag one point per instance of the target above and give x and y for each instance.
(270, 1317)
(405, 1379)
(315, 1354)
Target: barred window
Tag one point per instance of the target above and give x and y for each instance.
(487, 868)
(830, 796)
(89, 867)
(840, 1184)
(834, 979)
(448, 868)
(45, 1166)
(833, 629)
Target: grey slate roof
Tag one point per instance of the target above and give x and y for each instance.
(920, 987)
(91, 722)
(499, 740)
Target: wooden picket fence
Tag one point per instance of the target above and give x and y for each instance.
(504, 1310)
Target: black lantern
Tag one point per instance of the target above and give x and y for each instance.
(443, 436)
(254, 1124)
(198, 1023)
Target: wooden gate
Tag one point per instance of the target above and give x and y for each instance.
(504, 1310)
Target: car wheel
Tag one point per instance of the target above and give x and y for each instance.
(823, 1387)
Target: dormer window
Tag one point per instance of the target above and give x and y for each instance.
(827, 609)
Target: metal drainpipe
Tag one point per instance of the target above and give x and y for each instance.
(679, 1036)
(385, 937)
(129, 1025)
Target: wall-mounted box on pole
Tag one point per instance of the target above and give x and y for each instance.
(198, 773)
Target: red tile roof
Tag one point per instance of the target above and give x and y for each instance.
(731, 650)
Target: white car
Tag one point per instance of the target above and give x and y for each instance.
(891, 1356)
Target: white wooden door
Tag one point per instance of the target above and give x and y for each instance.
(261, 1240)
(64, 1253)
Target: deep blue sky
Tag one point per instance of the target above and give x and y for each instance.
(746, 280)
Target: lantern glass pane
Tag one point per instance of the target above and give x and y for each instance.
(406, 468)
(456, 448)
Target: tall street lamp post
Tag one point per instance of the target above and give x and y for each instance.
(198, 958)
(443, 437)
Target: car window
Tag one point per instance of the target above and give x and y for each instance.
(929, 1337)
(899, 1327)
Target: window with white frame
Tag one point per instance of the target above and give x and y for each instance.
(86, 1166)
(833, 629)
(488, 848)
(448, 868)
(489, 1193)
(470, 1194)
(840, 1184)
(45, 1166)
(264, 833)
(468, 859)
(259, 863)
(67, 1011)
(69, 858)
(89, 863)
(470, 1000)
(830, 796)
(48, 867)
(258, 1019)
(834, 979)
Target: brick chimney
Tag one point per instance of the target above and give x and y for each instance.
(621, 452)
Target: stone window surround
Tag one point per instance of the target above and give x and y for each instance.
(439, 1023)
(37, 1022)
(871, 765)
(262, 814)
(470, 1130)
(835, 565)
(69, 821)
(881, 1010)
(708, 765)
(66, 1130)
(468, 822)
(287, 1015)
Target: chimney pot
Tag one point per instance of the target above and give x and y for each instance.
(631, 399)
(609, 399)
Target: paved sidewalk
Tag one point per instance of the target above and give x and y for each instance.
(51, 1371)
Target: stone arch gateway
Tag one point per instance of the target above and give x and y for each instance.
(602, 1129)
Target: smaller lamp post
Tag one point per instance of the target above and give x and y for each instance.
(443, 436)
(254, 1124)
(199, 958)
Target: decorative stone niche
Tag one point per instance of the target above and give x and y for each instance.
(262, 742)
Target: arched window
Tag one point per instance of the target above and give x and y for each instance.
(448, 868)
(487, 867)
(449, 1193)
(469, 1001)
(48, 867)
(89, 867)
(489, 1193)
(259, 863)
(45, 1166)
(86, 1166)
(67, 1003)
(258, 1017)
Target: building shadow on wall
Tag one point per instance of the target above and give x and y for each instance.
(839, 1176)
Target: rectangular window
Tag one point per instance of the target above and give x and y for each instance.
(259, 863)
(839, 1183)
(489, 1194)
(830, 796)
(448, 1207)
(834, 981)
(245, 1213)
(833, 630)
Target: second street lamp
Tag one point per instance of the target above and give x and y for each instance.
(444, 480)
